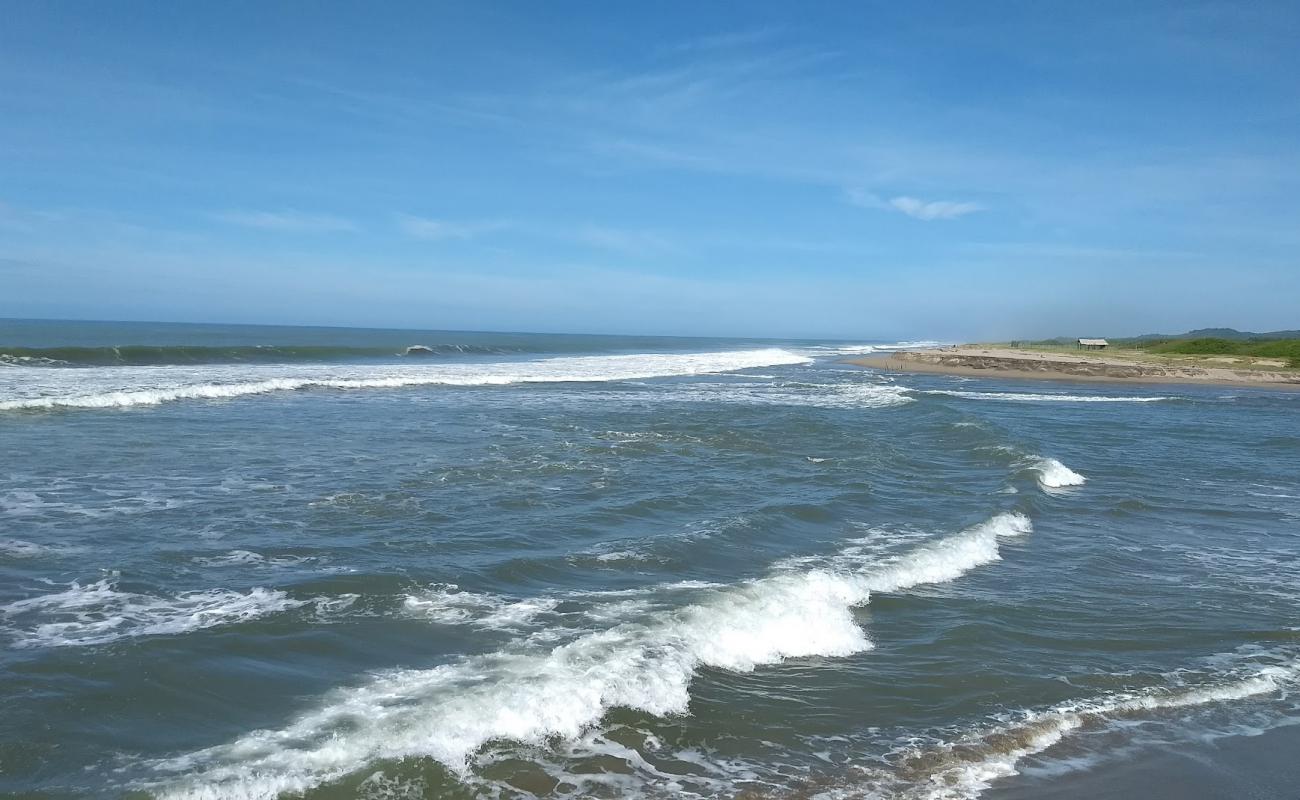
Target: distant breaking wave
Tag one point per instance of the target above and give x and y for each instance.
(449, 712)
(1027, 397)
(145, 386)
(151, 355)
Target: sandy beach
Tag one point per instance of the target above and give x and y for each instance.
(1119, 367)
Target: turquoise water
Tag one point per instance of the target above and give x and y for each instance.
(240, 562)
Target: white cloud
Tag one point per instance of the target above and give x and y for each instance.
(625, 241)
(913, 207)
(934, 209)
(441, 229)
(600, 237)
(288, 221)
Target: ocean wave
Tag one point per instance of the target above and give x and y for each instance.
(578, 369)
(244, 558)
(448, 604)
(157, 355)
(867, 349)
(1052, 474)
(97, 613)
(20, 548)
(833, 396)
(13, 360)
(1026, 397)
(963, 767)
(447, 713)
(27, 503)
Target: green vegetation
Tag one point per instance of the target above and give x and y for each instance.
(1207, 342)
(1288, 349)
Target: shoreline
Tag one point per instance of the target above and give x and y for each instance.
(992, 362)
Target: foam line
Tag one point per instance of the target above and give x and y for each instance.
(1026, 397)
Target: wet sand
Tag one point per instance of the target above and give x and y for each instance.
(1232, 768)
(993, 362)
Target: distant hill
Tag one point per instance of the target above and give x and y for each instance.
(1231, 334)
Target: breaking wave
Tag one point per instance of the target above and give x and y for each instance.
(217, 383)
(447, 713)
(963, 767)
(1026, 397)
(866, 349)
(1052, 474)
(152, 355)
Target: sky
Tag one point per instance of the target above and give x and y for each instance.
(859, 169)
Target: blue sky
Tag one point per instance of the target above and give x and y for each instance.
(940, 170)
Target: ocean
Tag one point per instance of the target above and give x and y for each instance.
(251, 562)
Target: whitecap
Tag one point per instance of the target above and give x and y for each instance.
(447, 713)
(1052, 474)
(144, 386)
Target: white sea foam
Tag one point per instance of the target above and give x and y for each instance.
(449, 712)
(621, 555)
(143, 386)
(7, 360)
(949, 558)
(1052, 474)
(963, 768)
(97, 613)
(248, 558)
(1025, 397)
(27, 503)
(838, 395)
(448, 604)
(20, 548)
(866, 349)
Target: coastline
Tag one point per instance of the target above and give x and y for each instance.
(994, 362)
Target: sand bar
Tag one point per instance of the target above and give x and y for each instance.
(1128, 367)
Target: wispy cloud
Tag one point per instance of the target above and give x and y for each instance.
(933, 209)
(26, 220)
(916, 208)
(620, 239)
(442, 229)
(600, 237)
(728, 40)
(288, 221)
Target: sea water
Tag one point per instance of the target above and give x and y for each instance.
(241, 562)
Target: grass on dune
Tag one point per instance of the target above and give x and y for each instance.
(1288, 349)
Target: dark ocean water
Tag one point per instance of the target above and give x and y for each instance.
(240, 562)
